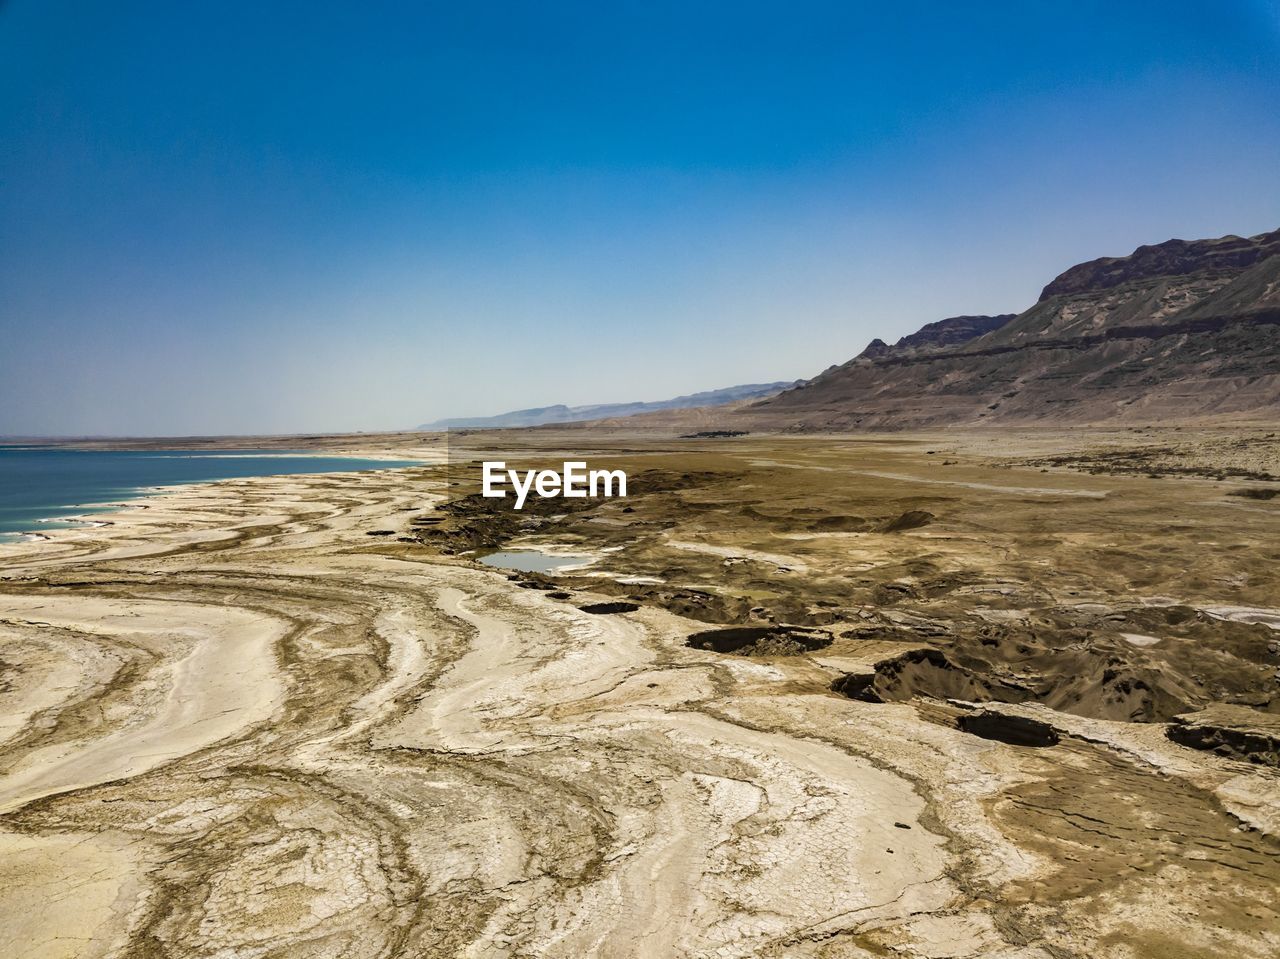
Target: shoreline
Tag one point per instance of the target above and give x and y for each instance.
(564, 657)
(124, 499)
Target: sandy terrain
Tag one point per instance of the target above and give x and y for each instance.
(233, 723)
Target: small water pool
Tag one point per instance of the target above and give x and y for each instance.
(531, 560)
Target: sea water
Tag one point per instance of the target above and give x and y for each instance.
(42, 488)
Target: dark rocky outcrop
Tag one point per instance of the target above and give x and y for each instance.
(1236, 732)
(860, 686)
(1256, 492)
(606, 608)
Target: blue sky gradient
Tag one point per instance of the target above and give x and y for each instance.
(295, 217)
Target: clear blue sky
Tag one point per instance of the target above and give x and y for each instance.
(281, 217)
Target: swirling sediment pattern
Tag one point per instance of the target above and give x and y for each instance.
(235, 726)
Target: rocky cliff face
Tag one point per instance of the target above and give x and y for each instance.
(1228, 254)
(1186, 331)
(950, 332)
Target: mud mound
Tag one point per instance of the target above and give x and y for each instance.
(761, 640)
(690, 603)
(1007, 728)
(1119, 690)
(605, 608)
(911, 519)
(1080, 680)
(1077, 659)
(923, 672)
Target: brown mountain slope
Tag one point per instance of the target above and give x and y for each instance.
(1186, 331)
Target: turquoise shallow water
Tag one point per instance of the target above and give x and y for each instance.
(41, 487)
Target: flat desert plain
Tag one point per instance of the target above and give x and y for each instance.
(987, 694)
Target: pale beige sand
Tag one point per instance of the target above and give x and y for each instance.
(220, 679)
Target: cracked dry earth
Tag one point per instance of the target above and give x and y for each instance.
(233, 725)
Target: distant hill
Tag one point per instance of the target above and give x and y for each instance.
(539, 416)
(1183, 330)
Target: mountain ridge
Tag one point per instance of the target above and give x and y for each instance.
(560, 413)
(1181, 329)
(952, 331)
